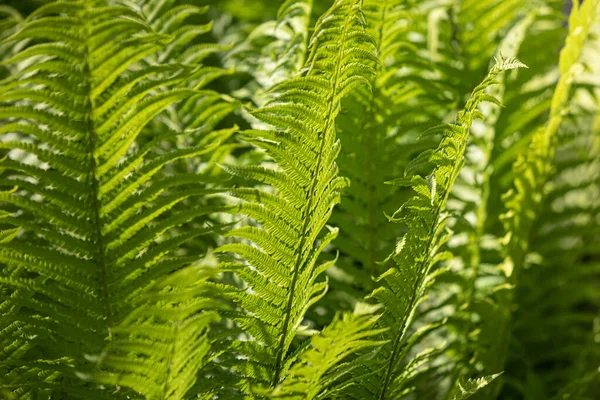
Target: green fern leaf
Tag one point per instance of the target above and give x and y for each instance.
(531, 171)
(281, 269)
(321, 368)
(471, 386)
(403, 287)
(159, 347)
(96, 219)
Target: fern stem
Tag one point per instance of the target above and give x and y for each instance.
(411, 305)
(95, 191)
(423, 268)
(465, 119)
(306, 214)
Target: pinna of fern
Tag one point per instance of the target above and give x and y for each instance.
(281, 269)
(82, 191)
(403, 287)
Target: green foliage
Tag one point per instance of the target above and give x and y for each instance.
(421, 247)
(471, 386)
(320, 365)
(299, 199)
(167, 336)
(283, 281)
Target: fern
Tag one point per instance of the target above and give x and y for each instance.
(159, 347)
(417, 251)
(282, 283)
(471, 196)
(370, 152)
(531, 171)
(320, 368)
(561, 261)
(87, 248)
(160, 240)
(472, 386)
(274, 51)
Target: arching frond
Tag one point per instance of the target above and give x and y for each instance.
(281, 268)
(85, 190)
(419, 250)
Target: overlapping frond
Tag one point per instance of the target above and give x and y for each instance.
(9, 21)
(274, 51)
(403, 287)
(281, 267)
(206, 109)
(158, 349)
(532, 170)
(119, 128)
(321, 369)
(478, 251)
(82, 188)
(562, 270)
(556, 286)
(377, 146)
(482, 25)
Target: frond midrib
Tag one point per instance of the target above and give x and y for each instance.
(95, 191)
(423, 266)
(307, 211)
(413, 299)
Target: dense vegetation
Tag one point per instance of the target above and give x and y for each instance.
(337, 199)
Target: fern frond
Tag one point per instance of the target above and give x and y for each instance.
(472, 386)
(321, 368)
(482, 25)
(274, 51)
(159, 347)
(470, 199)
(556, 286)
(281, 268)
(406, 98)
(9, 22)
(403, 287)
(532, 170)
(94, 214)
